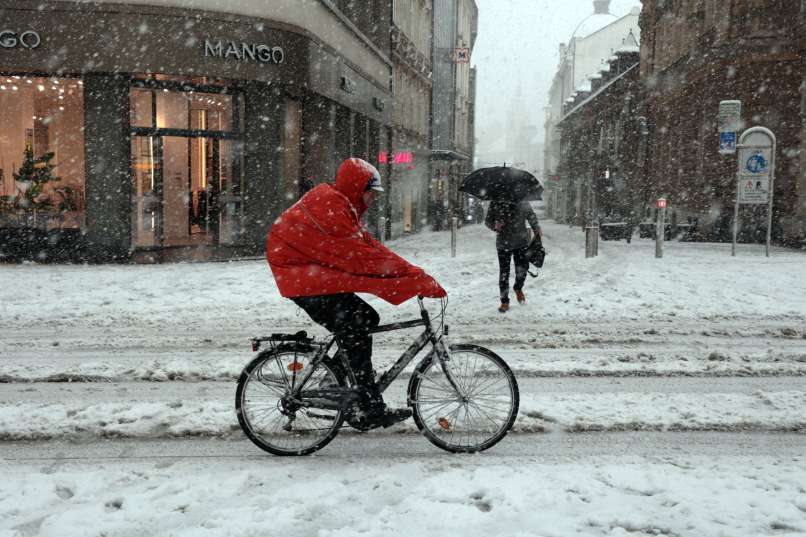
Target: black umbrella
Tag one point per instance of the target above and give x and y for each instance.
(502, 183)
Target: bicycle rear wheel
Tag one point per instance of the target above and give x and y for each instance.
(477, 415)
(269, 417)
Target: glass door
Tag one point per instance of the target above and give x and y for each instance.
(186, 165)
(177, 185)
(146, 162)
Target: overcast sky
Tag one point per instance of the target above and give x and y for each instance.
(518, 44)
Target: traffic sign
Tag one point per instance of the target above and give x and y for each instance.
(755, 168)
(755, 177)
(461, 55)
(661, 203)
(730, 119)
(727, 143)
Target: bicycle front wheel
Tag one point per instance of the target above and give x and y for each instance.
(467, 403)
(270, 417)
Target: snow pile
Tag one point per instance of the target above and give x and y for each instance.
(776, 411)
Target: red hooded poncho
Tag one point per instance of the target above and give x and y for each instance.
(319, 247)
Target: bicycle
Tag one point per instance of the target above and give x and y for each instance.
(294, 396)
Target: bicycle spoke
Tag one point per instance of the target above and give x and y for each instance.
(481, 413)
(275, 420)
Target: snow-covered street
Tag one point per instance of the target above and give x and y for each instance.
(658, 397)
(547, 485)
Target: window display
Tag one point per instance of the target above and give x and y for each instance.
(41, 152)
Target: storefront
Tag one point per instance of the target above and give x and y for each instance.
(152, 133)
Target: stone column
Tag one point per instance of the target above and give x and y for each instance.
(263, 162)
(107, 149)
(318, 140)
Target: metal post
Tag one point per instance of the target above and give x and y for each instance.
(772, 195)
(596, 240)
(591, 241)
(454, 226)
(660, 233)
(736, 217)
(382, 229)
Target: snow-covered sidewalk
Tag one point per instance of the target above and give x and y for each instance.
(626, 282)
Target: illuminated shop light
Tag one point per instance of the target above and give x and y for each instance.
(399, 157)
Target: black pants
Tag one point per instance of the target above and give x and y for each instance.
(521, 269)
(350, 318)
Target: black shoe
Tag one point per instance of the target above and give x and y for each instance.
(377, 415)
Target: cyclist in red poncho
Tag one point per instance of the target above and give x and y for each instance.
(321, 255)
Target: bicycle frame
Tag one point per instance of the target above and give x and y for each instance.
(428, 335)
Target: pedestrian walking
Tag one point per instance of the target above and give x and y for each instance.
(508, 219)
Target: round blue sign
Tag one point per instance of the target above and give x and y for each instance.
(757, 163)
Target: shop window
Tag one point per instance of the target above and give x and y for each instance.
(181, 110)
(187, 167)
(41, 152)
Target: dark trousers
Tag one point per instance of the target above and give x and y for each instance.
(521, 269)
(350, 318)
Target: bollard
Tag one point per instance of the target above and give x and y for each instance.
(454, 226)
(382, 229)
(591, 241)
(660, 233)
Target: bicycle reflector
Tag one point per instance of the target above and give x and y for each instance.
(255, 345)
(295, 366)
(444, 423)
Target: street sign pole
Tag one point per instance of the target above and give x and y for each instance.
(736, 215)
(772, 195)
(660, 230)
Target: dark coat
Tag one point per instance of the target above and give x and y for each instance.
(508, 220)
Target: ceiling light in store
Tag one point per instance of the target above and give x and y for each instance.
(15, 88)
(61, 108)
(40, 87)
(2, 88)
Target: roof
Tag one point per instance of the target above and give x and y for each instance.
(593, 24)
(598, 91)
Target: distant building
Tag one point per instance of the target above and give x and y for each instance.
(453, 107)
(652, 130)
(603, 146)
(410, 158)
(584, 55)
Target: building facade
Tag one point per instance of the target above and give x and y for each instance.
(654, 131)
(453, 108)
(153, 130)
(409, 162)
(696, 54)
(603, 146)
(582, 58)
